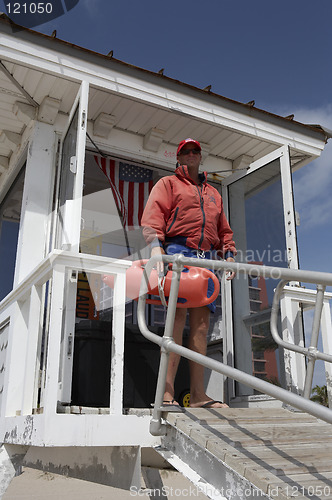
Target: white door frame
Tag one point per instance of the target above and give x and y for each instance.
(283, 155)
(71, 229)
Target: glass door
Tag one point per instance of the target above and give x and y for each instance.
(71, 174)
(69, 198)
(260, 208)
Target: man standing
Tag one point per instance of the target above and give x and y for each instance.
(184, 214)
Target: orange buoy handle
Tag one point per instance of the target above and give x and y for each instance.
(192, 290)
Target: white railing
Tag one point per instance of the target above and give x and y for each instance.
(22, 318)
(167, 343)
(311, 352)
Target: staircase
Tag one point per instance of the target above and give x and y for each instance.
(251, 452)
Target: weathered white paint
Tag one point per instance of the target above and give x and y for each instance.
(118, 328)
(78, 430)
(117, 466)
(11, 458)
(7, 469)
(292, 331)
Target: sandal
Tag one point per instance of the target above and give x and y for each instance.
(209, 404)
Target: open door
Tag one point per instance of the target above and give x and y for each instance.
(259, 201)
(71, 174)
(68, 225)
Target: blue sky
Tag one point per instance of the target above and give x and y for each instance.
(277, 53)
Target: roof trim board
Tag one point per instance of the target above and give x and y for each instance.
(6, 25)
(79, 63)
(145, 92)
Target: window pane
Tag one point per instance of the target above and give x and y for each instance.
(10, 215)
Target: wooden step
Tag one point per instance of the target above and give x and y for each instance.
(285, 454)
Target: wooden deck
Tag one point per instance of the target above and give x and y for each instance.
(285, 454)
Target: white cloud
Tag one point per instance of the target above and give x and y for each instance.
(92, 6)
(315, 179)
(319, 116)
(313, 183)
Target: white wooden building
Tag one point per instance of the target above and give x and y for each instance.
(76, 378)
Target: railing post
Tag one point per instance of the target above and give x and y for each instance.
(14, 376)
(29, 398)
(54, 340)
(326, 328)
(118, 339)
(314, 341)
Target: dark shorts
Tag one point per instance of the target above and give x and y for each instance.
(174, 248)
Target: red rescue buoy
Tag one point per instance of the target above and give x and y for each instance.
(193, 285)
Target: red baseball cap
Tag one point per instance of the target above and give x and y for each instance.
(187, 141)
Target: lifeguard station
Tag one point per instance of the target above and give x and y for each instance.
(83, 139)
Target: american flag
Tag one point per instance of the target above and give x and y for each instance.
(131, 186)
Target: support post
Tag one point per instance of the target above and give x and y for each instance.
(314, 340)
(326, 327)
(292, 332)
(117, 359)
(29, 399)
(54, 341)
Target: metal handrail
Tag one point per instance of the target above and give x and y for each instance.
(167, 343)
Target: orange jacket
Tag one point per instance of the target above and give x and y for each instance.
(178, 207)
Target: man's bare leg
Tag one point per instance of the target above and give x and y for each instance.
(199, 319)
(174, 359)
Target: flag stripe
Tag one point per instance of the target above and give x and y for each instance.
(131, 186)
(107, 167)
(141, 198)
(131, 204)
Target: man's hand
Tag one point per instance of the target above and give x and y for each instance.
(160, 265)
(230, 274)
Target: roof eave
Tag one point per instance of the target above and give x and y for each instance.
(249, 110)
